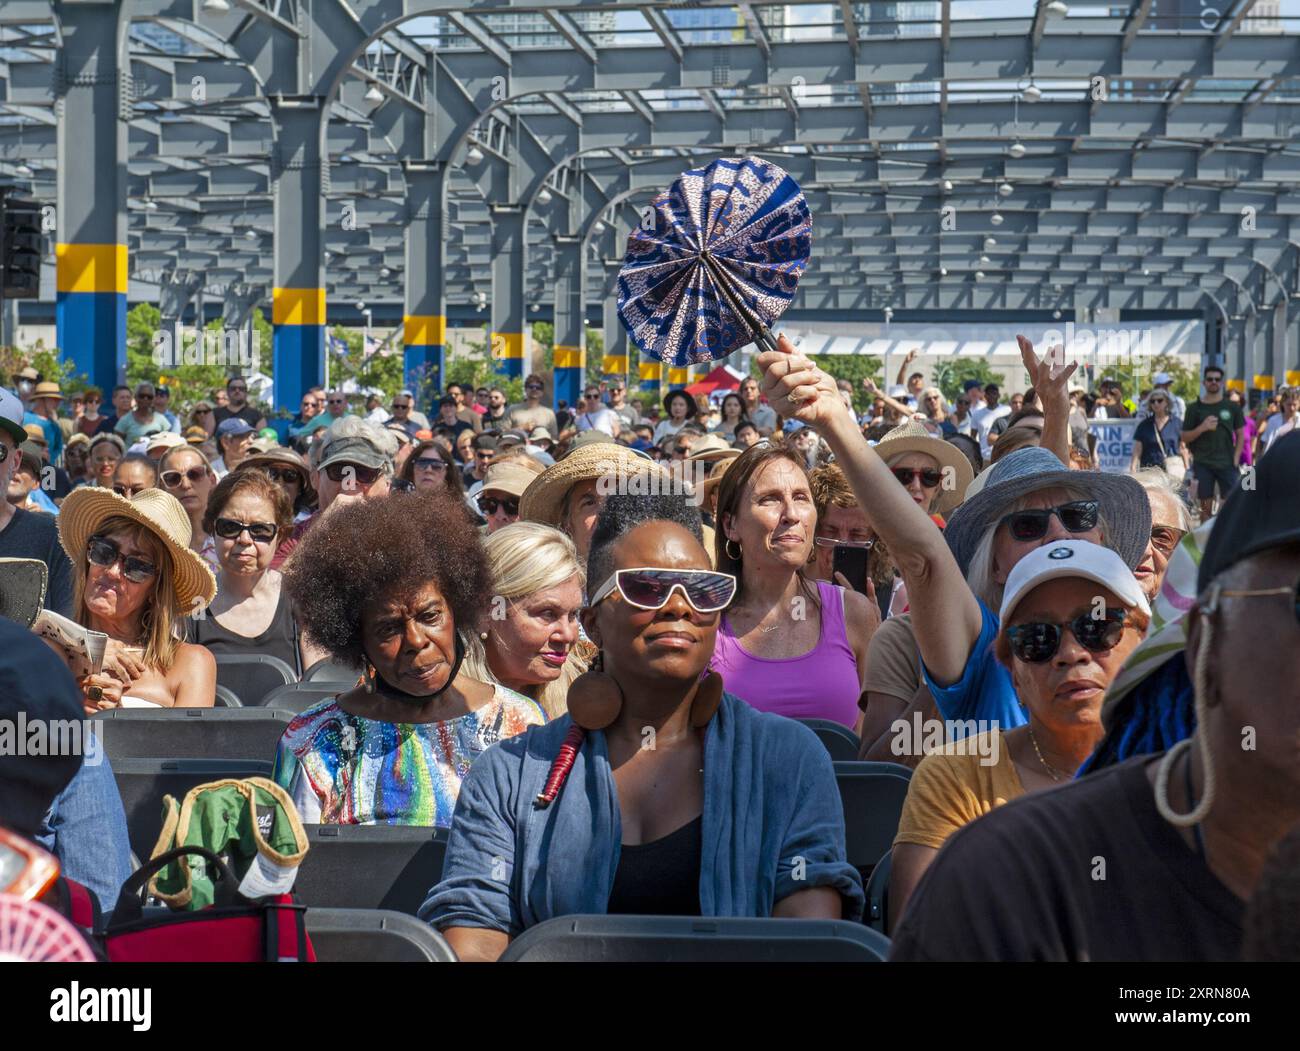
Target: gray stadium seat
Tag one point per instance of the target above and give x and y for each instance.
(877, 914)
(840, 741)
(299, 696)
(251, 676)
(331, 671)
(872, 795)
(191, 733)
(143, 783)
(694, 939)
(374, 936)
(389, 867)
(225, 698)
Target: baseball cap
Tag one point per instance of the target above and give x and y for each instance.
(1072, 558)
(509, 478)
(485, 441)
(795, 425)
(11, 415)
(540, 434)
(1161, 378)
(234, 425)
(971, 385)
(512, 438)
(352, 439)
(165, 440)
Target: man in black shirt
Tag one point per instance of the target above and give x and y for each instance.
(28, 534)
(122, 404)
(237, 405)
(1114, 866)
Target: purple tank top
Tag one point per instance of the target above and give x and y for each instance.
(821, 684)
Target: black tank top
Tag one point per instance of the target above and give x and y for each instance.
(280, 639)
(661, 878)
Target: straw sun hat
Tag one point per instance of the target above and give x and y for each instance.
(543, 500)
(912, 437)
(85, 510)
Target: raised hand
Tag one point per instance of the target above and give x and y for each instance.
(798, 389)
(1049, 374)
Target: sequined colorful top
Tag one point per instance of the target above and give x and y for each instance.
(343, 769)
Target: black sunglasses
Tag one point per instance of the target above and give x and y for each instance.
(930, 476)
(360, 475)
(103, 552)
(1037, 642)
(430, 463)
(283, 475)
(1078, 516)
(129, 490)
(230, 529)
(173, 479)
(489, 505)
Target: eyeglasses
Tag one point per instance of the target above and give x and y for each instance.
(430, 463)
(130, 490)
(681, 450)
(1213, 379)
(1293, 591)
(283, 475)
(489, 505)
(339, 472)
(705, 591)
(1166, 538)
(1037, 642)
(930, 476)
(823, 541)
(103, 552)
(533, 386)
(1078, 516)
(241, 389)
(173, 479)
(144, 397)
(260, 532)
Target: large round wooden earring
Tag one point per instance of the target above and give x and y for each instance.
(595, 698)
(708, 695)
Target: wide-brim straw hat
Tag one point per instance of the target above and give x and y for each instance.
(1124, 504)
(543, 500)
(712, 447)
(22, 589)
(719, 468)
(85, 509)
(47, 390)
(910, 436)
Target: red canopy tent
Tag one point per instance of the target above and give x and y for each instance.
(720, 378)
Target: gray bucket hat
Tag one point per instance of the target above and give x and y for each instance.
(1124, 504)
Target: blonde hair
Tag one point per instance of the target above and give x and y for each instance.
(161, 612)
(979, 571)
(524, 558)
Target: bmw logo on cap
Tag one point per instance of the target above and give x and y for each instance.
(1059, 553)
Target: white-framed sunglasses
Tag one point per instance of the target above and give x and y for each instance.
(648, 587)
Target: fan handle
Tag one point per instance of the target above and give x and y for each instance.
(761, 334)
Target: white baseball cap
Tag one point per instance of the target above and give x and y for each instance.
(11, 416)
(1072, 558)
(1161, 378)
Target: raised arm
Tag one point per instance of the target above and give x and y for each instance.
(904, 410)
(945, 614)
(1049, 376)
(902, 369)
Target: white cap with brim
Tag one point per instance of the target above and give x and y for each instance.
(1072, 558)
(11, 416)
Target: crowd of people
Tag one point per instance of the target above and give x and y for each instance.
(583, 640)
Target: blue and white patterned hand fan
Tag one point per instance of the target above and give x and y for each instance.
(715, 261)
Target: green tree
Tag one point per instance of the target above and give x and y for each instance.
(951, 373)
(189, 382)
(1134, 375)
(45, 360)
(473, 368)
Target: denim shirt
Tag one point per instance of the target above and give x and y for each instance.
(86, 831)
(773, 825)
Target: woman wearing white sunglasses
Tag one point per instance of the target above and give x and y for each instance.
(659, 793)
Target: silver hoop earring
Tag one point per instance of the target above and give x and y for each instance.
(726, 550)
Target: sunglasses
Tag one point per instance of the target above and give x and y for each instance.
(681, 450)
(144, 397)
(130, 490)
(1166, 538)
(173, 479)
(533, 386)
(338, 472)
(237, 390)
(1213, 379)
(103, 552)
(202, 412)
(399, 405)
(1078, 516)
(930, 476)
(705, 591)
(489, 505)
(230, 529)
(430, 463)
(284, 475)
(1037, 642)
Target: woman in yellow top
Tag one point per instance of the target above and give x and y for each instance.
(1072, 614)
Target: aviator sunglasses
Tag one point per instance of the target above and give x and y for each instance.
(705, 591)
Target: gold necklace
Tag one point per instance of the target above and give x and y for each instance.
(1055, 774)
